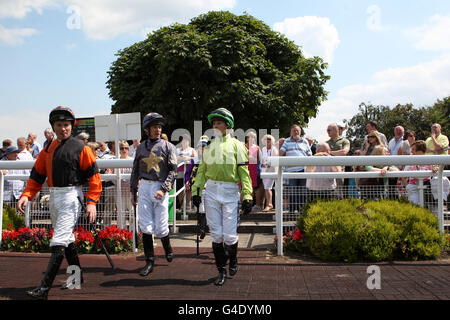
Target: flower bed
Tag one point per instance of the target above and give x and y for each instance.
(292, 241)
(38, 240)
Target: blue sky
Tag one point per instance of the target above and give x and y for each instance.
(58, 52)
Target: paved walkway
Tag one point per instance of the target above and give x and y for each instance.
(262, 276)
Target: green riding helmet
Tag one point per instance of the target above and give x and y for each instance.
(222, 114)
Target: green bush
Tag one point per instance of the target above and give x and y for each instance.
(12, 219)
(354, 230)
(447, 243)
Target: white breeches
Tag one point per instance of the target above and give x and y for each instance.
(153, 213)
(222, 210)
(64, 211)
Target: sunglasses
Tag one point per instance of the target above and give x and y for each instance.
(123, 148)
(371, 137)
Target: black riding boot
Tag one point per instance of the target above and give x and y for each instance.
(56, 259)
(147, 240)
(72, 259)
(221, 263)
(232, 254)
(167, 248)
(202, 218)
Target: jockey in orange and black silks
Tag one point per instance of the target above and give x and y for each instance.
(66, 164)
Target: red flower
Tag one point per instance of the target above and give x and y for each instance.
(298, 236)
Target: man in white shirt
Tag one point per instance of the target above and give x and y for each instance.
(133, 147)
(24, 154)
(35, 147)
(396, 141)
(13, 188)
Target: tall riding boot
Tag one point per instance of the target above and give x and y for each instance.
(221, 262)
(72, 259)
(56, 259)
(202, 218)
(167, 248)
(232, 254)
(147, 240)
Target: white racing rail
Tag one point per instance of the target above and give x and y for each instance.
(278, 177)
(351, 161)
(102, 164)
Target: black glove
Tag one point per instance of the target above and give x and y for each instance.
(196, 200)
(247, 206)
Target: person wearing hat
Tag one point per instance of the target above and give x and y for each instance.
(10, 153)
(5, 144)
(66, 164)
(224, 164)
(12, 189)
(341, 127)
(154, 171)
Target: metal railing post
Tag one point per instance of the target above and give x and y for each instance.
(279, 211)
(134, 228)
(421, 195)
(184, 192)
(174, 206)
(440, 199)
(119, 203)
(27, 215)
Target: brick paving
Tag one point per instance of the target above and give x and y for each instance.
(262, 276)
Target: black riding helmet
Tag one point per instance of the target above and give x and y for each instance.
(61, 113)
(152, 119)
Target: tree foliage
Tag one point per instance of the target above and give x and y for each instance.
(407, 116)
(218, 60)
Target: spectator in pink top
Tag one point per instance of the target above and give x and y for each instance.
(418, 148)
(254, 167)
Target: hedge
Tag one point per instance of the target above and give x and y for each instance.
(356, 230)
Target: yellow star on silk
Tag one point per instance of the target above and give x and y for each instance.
(152, 162)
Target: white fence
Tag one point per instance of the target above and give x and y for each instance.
(352, 161)
(114, 206)
(125, 218)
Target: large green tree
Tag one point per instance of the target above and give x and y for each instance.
(218, 60)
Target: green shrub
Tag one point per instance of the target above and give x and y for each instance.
(355, 230)
(447, 243)
(11, 219)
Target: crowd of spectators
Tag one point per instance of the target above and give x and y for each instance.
(300, 191)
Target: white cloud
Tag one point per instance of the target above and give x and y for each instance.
(13, 37)
(18, 9)
(103, 19)
(316, 35)
(421, 85)
(434, 35)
